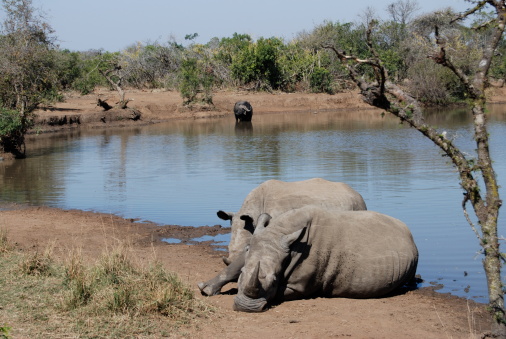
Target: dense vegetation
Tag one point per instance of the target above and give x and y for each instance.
(298, 65)
(34, 70)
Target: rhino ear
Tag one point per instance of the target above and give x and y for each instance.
(248, 223)
(287, 240)
(225, 215)
(263, 221)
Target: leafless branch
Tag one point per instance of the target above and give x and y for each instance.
(470, 11)
(473, 227)
(444, 60)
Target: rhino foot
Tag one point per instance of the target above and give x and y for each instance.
(208, 290)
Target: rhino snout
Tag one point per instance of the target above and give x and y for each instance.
(243, 303)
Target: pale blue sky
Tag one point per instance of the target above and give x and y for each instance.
(115, 24)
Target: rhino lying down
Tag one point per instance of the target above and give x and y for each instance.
(275, 198)
(312, 252)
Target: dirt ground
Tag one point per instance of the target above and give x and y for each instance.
(421, 313)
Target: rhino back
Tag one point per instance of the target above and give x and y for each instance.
(359, 254)
(276, 197)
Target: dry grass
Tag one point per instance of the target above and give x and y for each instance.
(4, 243)
(110, 298)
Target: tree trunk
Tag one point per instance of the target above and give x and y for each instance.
(486, 203)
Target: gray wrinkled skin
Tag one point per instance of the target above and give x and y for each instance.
(313, 252)
(275, 198)
(243, 111)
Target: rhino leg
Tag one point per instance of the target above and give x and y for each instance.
(228, 274)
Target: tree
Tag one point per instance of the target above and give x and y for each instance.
(259, 64)
(196, 75)
(112, 70)
(401, 11)
(27, 65)
(476, 174)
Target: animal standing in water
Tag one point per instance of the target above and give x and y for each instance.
(243, 111)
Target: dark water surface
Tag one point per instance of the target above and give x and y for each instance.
(182, 172)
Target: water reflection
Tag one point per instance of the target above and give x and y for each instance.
(182, 172)
(244, 128)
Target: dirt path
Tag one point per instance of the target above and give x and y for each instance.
(416, 314)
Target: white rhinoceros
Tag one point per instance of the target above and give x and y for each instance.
(312, 252)
(275, 198)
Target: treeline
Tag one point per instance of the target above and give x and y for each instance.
(300, 65)
(35, 70)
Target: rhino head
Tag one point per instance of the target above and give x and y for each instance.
(263, 269)
(242, 229)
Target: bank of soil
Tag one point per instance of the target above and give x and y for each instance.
(156, 106)
(421, 313)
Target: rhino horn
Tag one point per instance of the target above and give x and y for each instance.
(244, 107)
(263, 221)
(251, 289)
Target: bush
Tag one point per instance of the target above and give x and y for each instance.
(321, 81)
(259, 63)
(13, 127)
(196, 78)
(189, 83)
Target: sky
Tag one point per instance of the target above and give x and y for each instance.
(113, 25)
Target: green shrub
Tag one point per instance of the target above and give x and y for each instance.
(189, 83)
(4, 332)
(195, 79)
(259, 63)
(13, 127)
(10, 123)
(321, 81)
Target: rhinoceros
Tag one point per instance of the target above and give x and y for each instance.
(276, 197)
(312, 252)
(243, 111)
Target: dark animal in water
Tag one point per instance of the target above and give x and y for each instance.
(243, 111)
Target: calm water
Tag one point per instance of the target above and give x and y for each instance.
(183, 172)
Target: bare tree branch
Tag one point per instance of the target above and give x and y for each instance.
(442, 59)
(469, 221)
(470, 11)
(393, 99)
